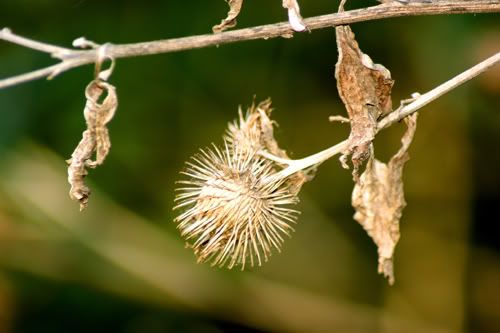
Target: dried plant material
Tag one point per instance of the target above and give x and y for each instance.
(255, 131)
(408, 1)
(294, 16)
(95, 139)
(232, 14)
(292, 6)
(84, 43)
(365, 90)
(234, 211)
(378, 199)
(338, 118)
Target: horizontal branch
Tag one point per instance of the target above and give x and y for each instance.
(71, 58)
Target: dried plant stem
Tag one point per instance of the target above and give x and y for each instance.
(8, 36)
(71, 58)
(311, 160)
(293, 166)
(437, 92)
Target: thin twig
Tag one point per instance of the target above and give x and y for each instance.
(75, 58)
(8, 36)
(309, 161)
(47, 72)
(439, 91)
(340, 119)
(293, 166)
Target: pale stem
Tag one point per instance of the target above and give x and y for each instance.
(279, 160)
(307, 162)
(340, 119)
(439, 91)
(293, 166)
(282, 29)
(7, 35)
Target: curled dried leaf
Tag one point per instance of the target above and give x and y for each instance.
(378, 199)
(365, 90)
(95, 139)
(294, 16)
(232, 14)
(292, 6)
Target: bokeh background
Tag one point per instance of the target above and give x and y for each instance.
(120, 266)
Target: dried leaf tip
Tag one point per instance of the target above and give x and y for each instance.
(232, 215)
(292, 6)
(378, 199)
(232, 14)
(95, 139)
(294, 16)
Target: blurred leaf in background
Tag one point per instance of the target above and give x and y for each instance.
(121, 266)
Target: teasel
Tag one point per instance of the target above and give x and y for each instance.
(235, 207)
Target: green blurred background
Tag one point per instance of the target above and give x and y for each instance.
(120, 266)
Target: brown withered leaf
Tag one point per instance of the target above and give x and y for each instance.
(232, 14)
(378, 199)
(95, 139)
(294, 16)
(365, 90)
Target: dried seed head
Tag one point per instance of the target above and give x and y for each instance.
(233, 215)
(234, 211)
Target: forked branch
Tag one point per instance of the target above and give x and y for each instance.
(395, 116)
